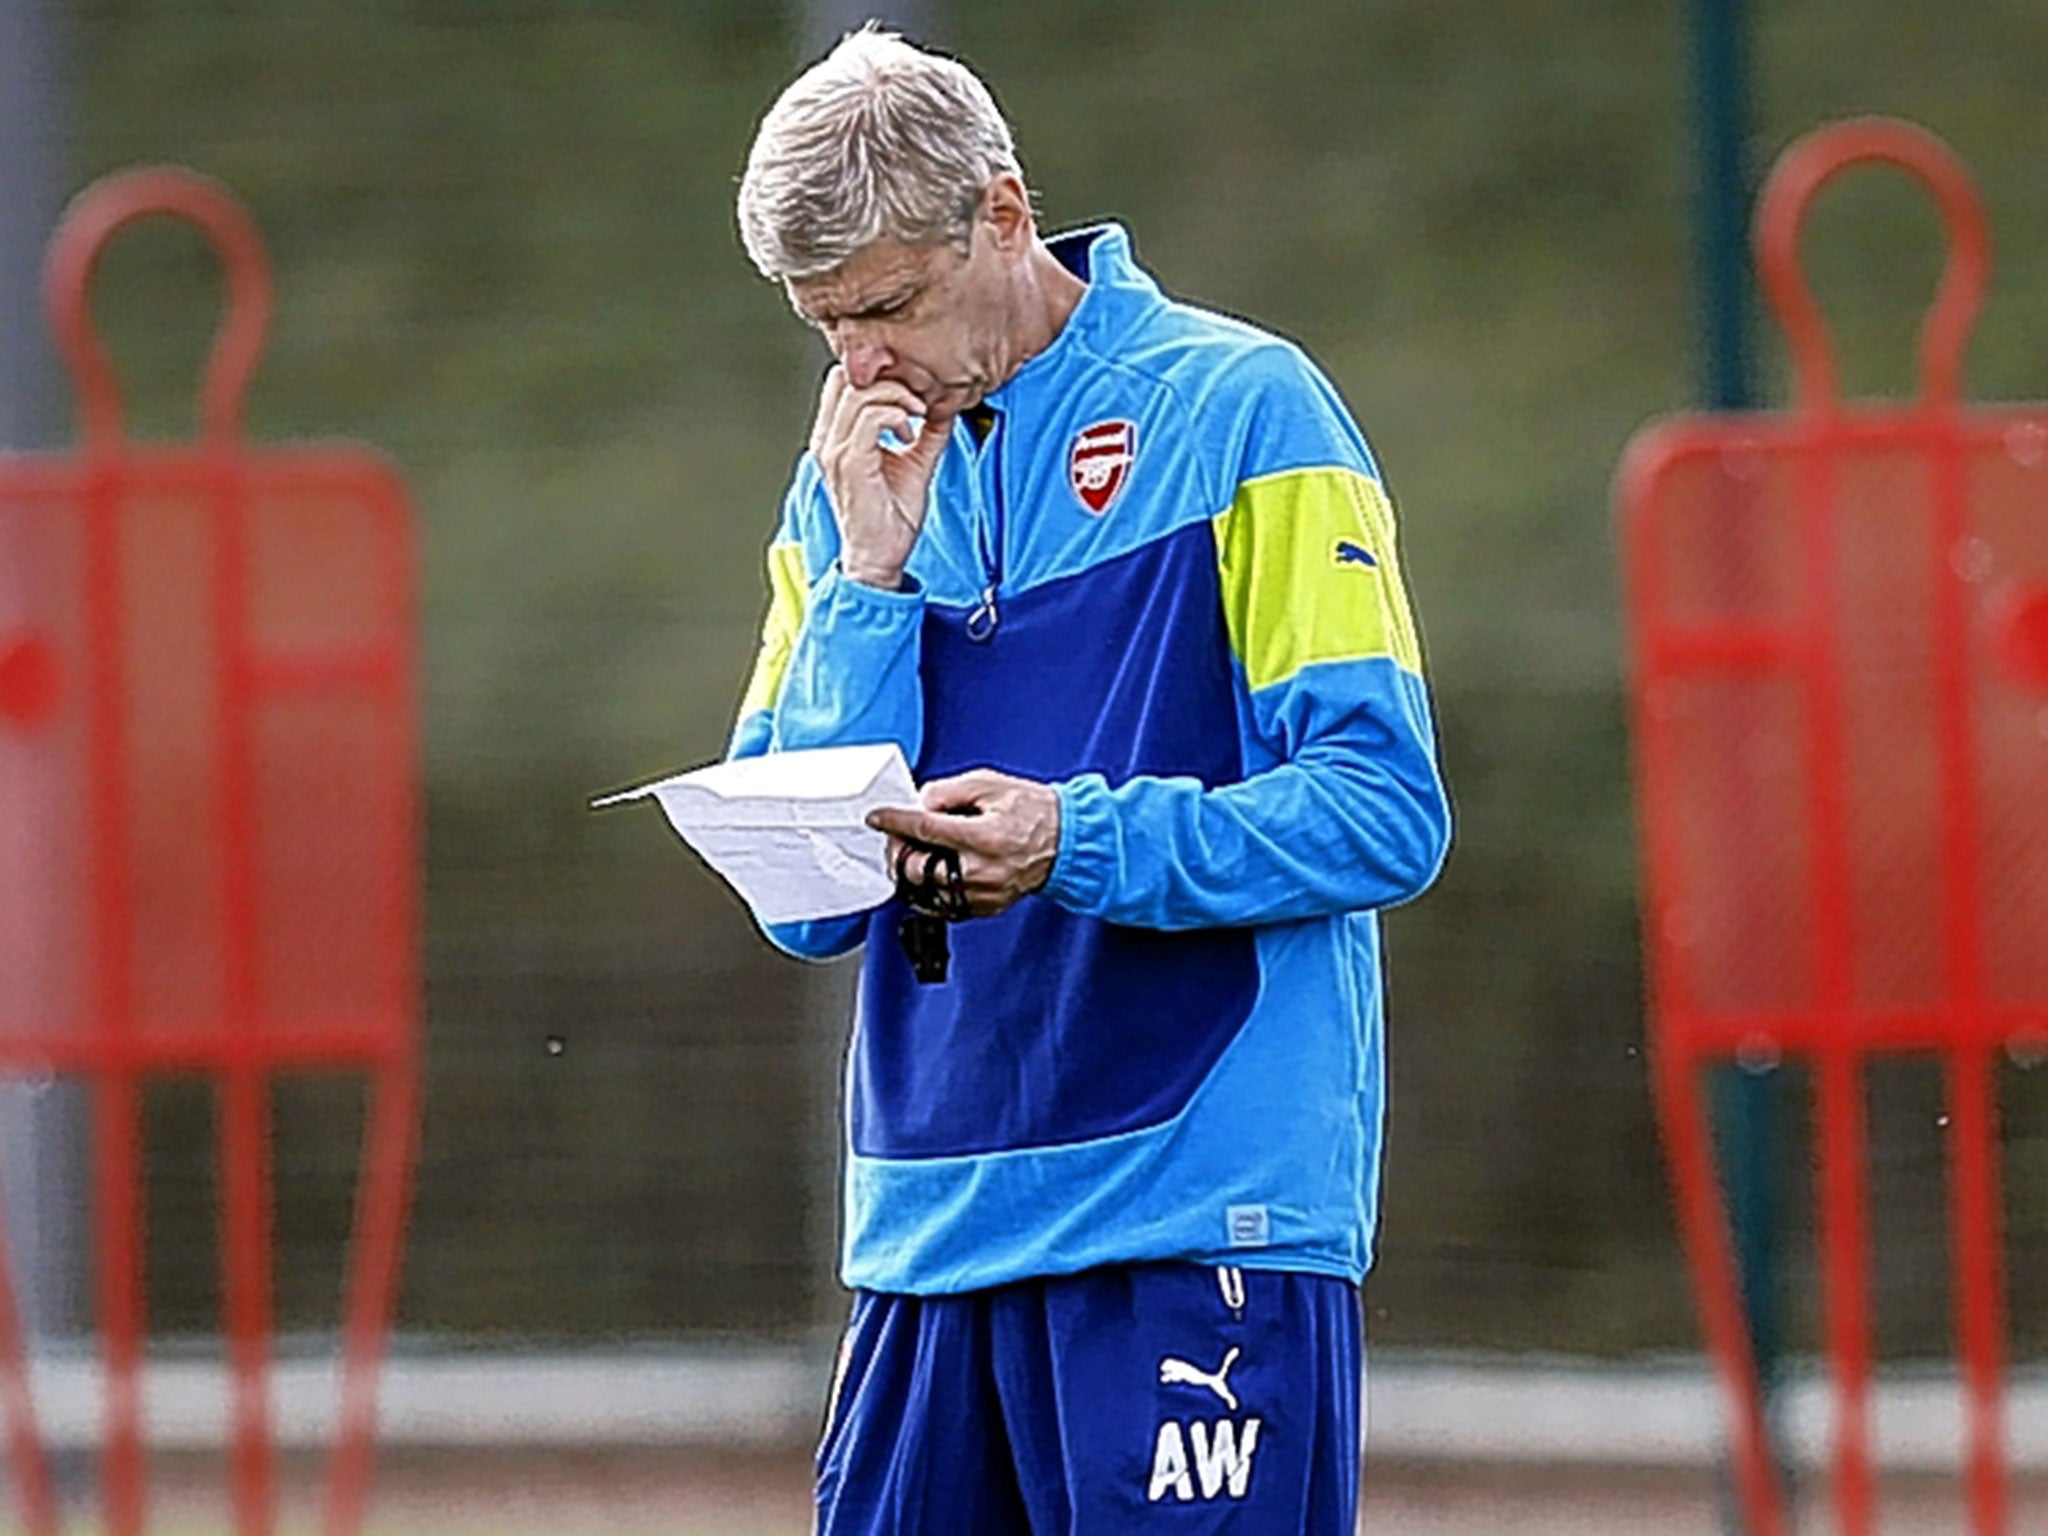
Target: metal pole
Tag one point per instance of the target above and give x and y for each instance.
(42, 1182)
(1727, 188)
(40, 1124)
(1745, 1112)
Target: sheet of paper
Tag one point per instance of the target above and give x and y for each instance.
(789, 831)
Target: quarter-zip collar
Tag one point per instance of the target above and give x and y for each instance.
(1117, 295)
(1118, 292)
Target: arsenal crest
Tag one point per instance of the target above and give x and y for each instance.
(1100, 462)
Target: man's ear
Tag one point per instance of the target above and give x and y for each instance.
(1006, 210)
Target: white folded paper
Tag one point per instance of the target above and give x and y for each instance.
(789, 831)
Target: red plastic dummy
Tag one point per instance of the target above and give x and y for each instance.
(1839, 626)
(207, 655)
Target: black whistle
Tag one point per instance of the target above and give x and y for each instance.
(925, 946)
(928, 879)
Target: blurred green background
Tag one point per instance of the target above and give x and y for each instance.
(505, 254)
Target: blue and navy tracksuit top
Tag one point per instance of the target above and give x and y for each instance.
(1166, 582)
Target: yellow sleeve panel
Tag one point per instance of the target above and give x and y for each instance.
(789, 591)
(1310, 573)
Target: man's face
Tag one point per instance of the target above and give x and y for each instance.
(933, 317)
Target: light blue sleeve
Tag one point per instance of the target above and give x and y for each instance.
(1354, 816)
(838, 667)
(1341, 808)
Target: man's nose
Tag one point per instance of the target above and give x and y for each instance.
(864, 359)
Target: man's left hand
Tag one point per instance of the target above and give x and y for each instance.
(1006, 829)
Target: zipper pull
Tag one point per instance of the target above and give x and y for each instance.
(984, 618)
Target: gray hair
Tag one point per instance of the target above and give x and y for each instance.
(878, 138)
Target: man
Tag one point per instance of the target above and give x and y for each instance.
(1120, 578)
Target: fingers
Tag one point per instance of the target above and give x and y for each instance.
(962, 790)
(863, 420)
(898, 824)
(938, 829)
(988, 884)
(920, 867)
(963, 810)
(922, 457)
(1004, 829)
(888, 390)
(845, 418)
(878, 497)
(854, 418)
